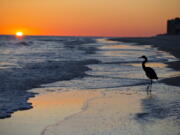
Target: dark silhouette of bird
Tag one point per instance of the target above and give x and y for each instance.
(150, 73)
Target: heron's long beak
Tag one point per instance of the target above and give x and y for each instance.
(140, 57)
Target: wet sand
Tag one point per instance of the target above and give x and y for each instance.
(166, 43)
(87, 112)
(74, 112)
(48, 108)
(101, 115)
(112, 113)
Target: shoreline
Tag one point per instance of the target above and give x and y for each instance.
(170, 44)
(48, 108)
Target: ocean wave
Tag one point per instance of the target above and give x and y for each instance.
(15, 82)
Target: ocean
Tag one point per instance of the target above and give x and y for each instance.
(84, 63)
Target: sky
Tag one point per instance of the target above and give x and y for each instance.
(118, 18)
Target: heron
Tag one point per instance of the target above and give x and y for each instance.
(150, 73)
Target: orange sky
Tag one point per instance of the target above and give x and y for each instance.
(87, 17)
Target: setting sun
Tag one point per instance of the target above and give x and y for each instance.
(19, 34)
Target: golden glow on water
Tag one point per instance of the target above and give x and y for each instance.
(171, 74)
(119, 53)
(122, 47)
(60, 99)
(150, 64)
(112, 50)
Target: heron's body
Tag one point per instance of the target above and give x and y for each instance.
(150, 73)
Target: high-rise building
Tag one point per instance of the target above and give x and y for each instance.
(173, 26)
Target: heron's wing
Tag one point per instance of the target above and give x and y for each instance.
(151, 73)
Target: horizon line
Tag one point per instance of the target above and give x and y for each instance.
(76, 36)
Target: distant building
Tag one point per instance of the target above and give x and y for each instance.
(173, 26)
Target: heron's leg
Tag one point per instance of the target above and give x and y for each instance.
(150, 85)
(147, 89)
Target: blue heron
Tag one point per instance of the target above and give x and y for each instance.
(150, 73)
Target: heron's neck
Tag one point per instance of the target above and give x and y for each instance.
(143, 63)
